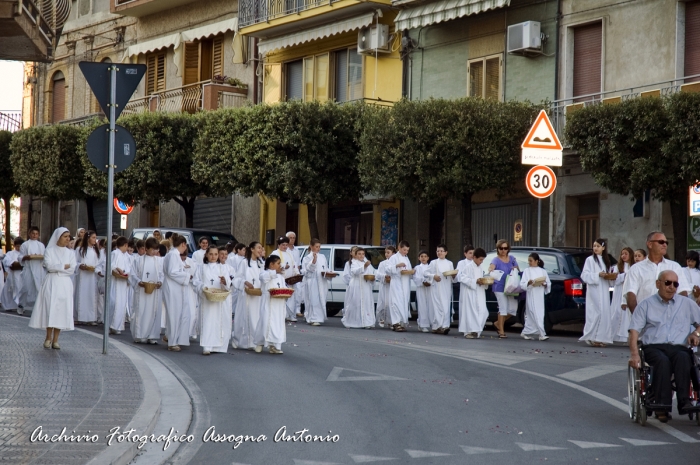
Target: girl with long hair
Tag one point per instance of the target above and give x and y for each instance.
(536, 280)
(597, 331)
(87, 257)
(248, 282)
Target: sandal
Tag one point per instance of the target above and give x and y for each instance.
(502, 336)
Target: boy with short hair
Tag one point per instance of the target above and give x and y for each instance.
(441, 291)
(384, 279)
(400, 271)
(119, 287)
(423, 285)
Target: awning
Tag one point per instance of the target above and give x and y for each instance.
(265, 46)
(153, 45)
(443, 10)
(213, 29)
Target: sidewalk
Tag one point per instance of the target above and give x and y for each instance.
(77, 388)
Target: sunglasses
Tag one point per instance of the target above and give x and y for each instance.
(668, 283)
(661, 242)
(504, 248)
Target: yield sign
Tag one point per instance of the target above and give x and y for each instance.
(98, 75)
(542, 146)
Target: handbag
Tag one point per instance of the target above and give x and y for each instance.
(512, 287)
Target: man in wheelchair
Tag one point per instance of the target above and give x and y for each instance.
(664, 321)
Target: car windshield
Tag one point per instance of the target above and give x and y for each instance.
(374, 254)
(551, 264)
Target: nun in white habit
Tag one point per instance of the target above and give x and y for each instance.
(53, 310)
(216, 316)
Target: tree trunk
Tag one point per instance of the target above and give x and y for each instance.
(90, 204)
(313, 224)
(188, 205)
(679, 220)
(8, 240)
(467, 219)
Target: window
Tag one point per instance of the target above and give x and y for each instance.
(348, 75)
(294, 80)
(588, 221)
(155, 74)
(204, 59)
(58, 104)
(316, 77)
(485, 77)
(588, 48)
(692, 41)
(336, 75)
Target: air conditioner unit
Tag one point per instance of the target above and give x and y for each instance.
(373, 39)
(524, 37)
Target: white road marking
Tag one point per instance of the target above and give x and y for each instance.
(642, 442)
(369, 458)
(480, 450)
(335, 376)
(531, 447)
(591, 372)
(236, 463)
(592, 445)
(421, 454)
(310, 462)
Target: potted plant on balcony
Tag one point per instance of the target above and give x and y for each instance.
(235, 82)
(219, 79)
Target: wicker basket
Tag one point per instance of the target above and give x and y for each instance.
(450, 273)
(407, 272)
(539, 281)
(35, 257)
(148, 287)
(256, 291)
(281, 293)
(89, 268)
(116, 274)
(330, 274)
(488, 280)
(292, 280)
(215, 295)
(369, 277)
(610, 276)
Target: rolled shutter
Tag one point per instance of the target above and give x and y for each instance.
(191, 62)
(341, 76)
(692, 40)
(294, 77)
(588, 48)
(58, 111)
(160, 75)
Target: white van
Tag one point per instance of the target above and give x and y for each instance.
(337, 256)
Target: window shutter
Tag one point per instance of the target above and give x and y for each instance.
(493, 79)
(308, 79)
(321, 77)
(588, 46)
(218, 56)
(692, 40)
(160, 75)
(58, 111)
(191, 62)
(476, 79)
(295, 80)
(151, 74)
(272, 83)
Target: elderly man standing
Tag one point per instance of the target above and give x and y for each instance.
(664, 321)
(299, 287)
(642, 276)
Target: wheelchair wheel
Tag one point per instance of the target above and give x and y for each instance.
(641, 412)
(697, 418)
(632, 393)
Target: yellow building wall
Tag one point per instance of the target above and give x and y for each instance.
(268, 220)
(304, 234)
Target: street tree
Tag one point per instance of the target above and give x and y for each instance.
(438, 149)
(8, 186)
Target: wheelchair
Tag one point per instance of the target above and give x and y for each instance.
(640, 394)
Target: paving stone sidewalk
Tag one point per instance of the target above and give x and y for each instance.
(76, 387)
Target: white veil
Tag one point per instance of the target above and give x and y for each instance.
(55, 236)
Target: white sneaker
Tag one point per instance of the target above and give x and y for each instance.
(258, 349)
(526, 337)
(381, 323)
(425, 330)
(316, 324)
(544, 338)
(206, 352)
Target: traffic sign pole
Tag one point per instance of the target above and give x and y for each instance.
(539, 220)
(110, 201)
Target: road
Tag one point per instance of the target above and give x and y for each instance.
(422, 398)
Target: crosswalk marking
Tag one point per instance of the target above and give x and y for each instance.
(311, 462)
(336, 371)
(592, 445)
(369, 458)
(584, 374)
(420, 454)
(480, 450)
(642, 442)
(531, 447)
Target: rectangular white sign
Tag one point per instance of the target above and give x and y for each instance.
(122, 223)
(545, 157)
(694, 200)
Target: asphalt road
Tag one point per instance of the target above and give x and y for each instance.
(420, 398)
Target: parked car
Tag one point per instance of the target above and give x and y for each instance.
(192, 236)
(336, 256)
(566, 302)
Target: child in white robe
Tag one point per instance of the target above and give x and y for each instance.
(384, 279)
(147, 308)
(100, 271)
(248, 306)
(440, 291)
(618, 306)
(215, 316)
(271, 331)
(119, 287)
(9, 298)
(130, 251)
(233, 261)
(176, 297)
(316, 278)
(87, 256)
(359, 301)
(290, 268)
(473, 312)
(534, 300)
(31, 254)
(423, 286)
(597, 330)
(400, 271)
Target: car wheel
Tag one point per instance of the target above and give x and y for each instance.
(332, 310)
(548, 326)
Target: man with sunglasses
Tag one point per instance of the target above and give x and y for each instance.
(642, 276)
(664, 321)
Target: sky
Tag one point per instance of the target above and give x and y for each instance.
(11, 76)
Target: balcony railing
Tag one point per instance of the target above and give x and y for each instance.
(186, 98)
(232, 100)
(559, 109)
(260, 11)
(10, 121)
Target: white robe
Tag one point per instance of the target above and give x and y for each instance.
(100, 311)
(233, 261)
(32, 275)
(359, 301)
(271, 330)
(620, 317)
(176, 288)
(54, 303)
(440, 292)
(248, 307)
(147, 308)
(400, 290)
(193, 303)
(216, 316)
(130, 289)
(287, 258)
(534, 300)
(473, 312)
(384, 294)
(9, 298)
(316, 288)
(598, 316)
(119, 290)
(299, 287)
(423, 298)
(85, 284)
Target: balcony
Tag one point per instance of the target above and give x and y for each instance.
(10, 121)
(29, 29)
(138, 8)
(191, 98)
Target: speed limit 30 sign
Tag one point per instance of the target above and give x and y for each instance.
(541, 181)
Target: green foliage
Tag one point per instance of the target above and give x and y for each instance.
(95, 179)
(8, 186)
(45, 162)
(682, 146)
